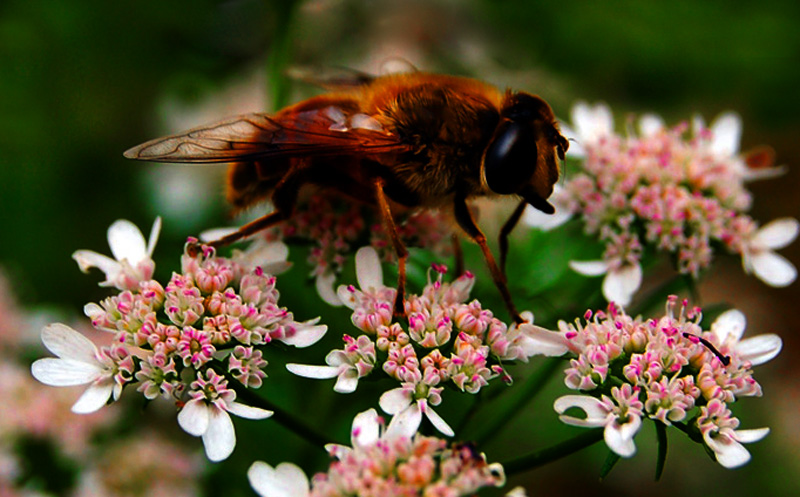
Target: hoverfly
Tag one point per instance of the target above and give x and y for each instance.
(416, 140)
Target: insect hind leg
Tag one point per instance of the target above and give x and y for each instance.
(399, 247)
(284, 198)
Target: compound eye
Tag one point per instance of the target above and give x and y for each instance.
(510, 159)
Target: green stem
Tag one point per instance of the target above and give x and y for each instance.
(554, 453)
(524, 395)
(661, 436)
(278, 58)
(284, 418)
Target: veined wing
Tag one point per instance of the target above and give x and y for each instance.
(327, 130)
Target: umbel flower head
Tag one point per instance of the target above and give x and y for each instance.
(445, 340)
(668, 369)
(667, 190)
(383, 465)
(194, 340)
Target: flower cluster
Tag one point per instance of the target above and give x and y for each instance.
(381, 465)
(667, 369)
(662, 190)
(186, 340)
(446, 340)
(335, 225)
(148, 464)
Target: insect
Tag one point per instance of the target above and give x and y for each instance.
(415, 140)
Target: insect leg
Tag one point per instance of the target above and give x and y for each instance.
(506, 230)
(467, 223)
(283, 198)
(399, 248)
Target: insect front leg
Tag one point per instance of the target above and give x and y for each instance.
(467, 223)
(506, 230)
(399, 247)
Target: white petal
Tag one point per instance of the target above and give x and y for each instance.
(545, 222)
(324, 284)
(67, 343)
(126, 242)
(306, 336)
(589, 268)
(729, 324)
(760, 349)
(437, 421)
(88, 259)
(368, 269)
(346, 297)
(543, 341)
(194, 417)
(248, 412)
(592, 123)
(285, 480)
(619, 437)
(777, 234)
(405, 424)
(220, 438)
(726, 132)
(596, 414)
(773, 269)
(698, 124)
(650, 124)
(95, 397)
(620, 285)
(395, 401)
(366, 428)
(730, 453)
(64, 372)
(154, 232)
(750, 436)
(309, 371)
(347, 381)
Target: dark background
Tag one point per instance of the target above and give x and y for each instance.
(82, 81)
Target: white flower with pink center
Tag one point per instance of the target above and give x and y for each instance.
(408, 404)
(132, 262)
(620, 415)
(663, 190)
(80, 362)
(719, 432)
(386, 464)
(207, 415)
(670, 370)
(759, 257)
(348, 366)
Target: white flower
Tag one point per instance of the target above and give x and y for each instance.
(591, 124)
(338, 367)
(132, 261)
(366, 431)
(621, 420)
(287, 480)
(269, 256)
(619, 284)
(284, 480)
(324, 283)
(727, 445)
(729, 328)
(78, 363)
(369, 275)
(758, 254)
(207, 415)
(407, 411)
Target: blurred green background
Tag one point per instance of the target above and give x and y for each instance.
(82, 81)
